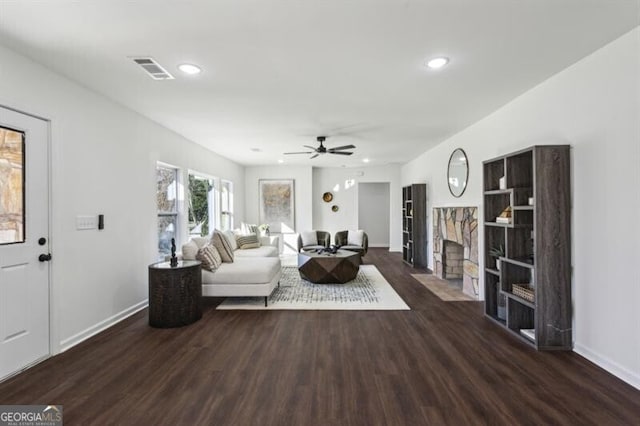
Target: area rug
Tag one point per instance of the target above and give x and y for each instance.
(368, 291)
(442, 288)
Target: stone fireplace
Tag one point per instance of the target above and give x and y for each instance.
(455, 246)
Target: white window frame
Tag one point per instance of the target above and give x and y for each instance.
(179, 210)
(229, 208)
(213, 211)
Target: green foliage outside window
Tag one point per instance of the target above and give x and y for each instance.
(198, 204)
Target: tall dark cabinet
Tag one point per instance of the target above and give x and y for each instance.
(527, 234)
(414, 225)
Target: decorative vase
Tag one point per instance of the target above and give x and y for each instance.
(503, 182)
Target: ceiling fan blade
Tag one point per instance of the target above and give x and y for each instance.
(314, 156)
(304, 152)
(340, 148)
(341, 153)
(310, 147)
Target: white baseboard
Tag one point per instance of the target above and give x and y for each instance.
(101, 326)
(611, 366)
(395, 249)
(378, 245)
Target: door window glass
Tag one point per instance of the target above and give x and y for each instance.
(12, 213)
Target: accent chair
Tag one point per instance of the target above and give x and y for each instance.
(358, 241)
(308, 241)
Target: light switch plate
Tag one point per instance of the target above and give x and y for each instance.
(86, 222)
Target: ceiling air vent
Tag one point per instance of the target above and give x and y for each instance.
(153, 68)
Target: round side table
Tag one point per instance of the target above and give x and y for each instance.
(175, 294)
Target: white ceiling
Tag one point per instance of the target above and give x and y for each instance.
(279, 72)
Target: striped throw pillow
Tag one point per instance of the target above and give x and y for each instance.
(210, 257)
(248, 241)
(220, 241)
(249, 228)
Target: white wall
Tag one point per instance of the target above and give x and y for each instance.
(594, 107)
(103, 161)
(303, 188)
(373, 216)
(343, 184)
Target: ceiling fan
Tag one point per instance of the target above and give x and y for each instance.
(339, 150)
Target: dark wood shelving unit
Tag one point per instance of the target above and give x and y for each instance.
(536, 244)
(414, 225)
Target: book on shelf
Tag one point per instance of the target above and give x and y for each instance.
(529, 333)
(505, 216)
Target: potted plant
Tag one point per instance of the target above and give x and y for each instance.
(264, 229)
(497, 252)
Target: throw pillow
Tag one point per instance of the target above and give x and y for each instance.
(231, 236)
(355, 238)
(222, 243)
(250, 246)
(210, 257)
(248, 241)
(189, 250)
(249, 228)
(309, 238)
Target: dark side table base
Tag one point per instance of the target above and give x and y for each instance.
(175, 294)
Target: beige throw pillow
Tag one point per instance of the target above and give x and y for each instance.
(231, 237)
(189, 250)
(248, 241)
(210, 257)
(222, 243)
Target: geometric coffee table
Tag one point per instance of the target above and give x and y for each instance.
(326, 268)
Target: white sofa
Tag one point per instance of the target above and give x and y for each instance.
(254, 272)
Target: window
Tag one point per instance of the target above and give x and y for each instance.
(210, 204)
(202, 205)
(12, 187)
(226, 205)
(167, 203)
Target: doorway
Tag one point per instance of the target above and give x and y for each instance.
(374, 212)
(24, 241)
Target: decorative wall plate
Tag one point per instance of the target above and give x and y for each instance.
(335, 208)
(327, 197)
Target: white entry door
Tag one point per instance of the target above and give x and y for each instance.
(24, 237)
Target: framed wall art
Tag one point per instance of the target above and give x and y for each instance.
(277, 204)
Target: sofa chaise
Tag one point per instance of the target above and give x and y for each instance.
(254, 272)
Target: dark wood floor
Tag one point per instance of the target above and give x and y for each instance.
(440, 363)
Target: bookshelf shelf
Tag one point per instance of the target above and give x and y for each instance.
(536, 245)
(414, 223)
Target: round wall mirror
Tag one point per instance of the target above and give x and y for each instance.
(458, 172)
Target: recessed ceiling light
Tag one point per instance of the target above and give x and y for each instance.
(365, 160)
(281, 161)
(189, 69)
(436, 63)
(256, 150)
